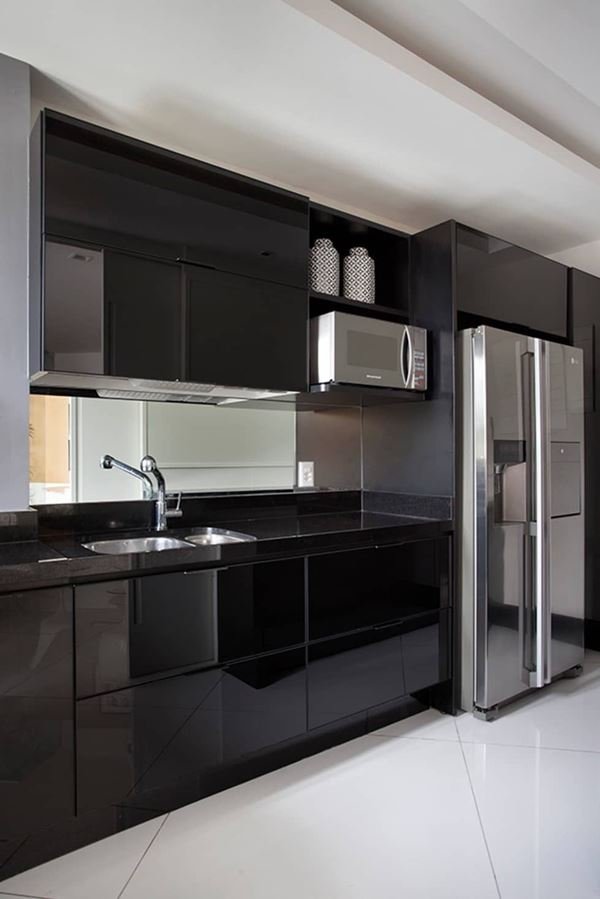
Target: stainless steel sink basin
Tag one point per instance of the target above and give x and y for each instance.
(216, 536)
(136, 545)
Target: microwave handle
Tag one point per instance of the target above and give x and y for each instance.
(406, 357)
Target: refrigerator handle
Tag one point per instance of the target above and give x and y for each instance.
(541, 514)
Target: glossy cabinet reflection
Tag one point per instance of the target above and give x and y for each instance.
(351, 590)
(138, 741)
(505, 283)
(36, 710)
(353, 673)
(151, 626)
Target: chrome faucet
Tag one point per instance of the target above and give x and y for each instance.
(148, 465)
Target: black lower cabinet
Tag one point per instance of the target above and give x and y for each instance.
(36, 710)
(355, 672)
(136, 742)
(135, 629)
(368, 587)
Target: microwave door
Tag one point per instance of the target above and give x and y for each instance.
(368, 352)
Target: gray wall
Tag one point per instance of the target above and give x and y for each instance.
(15, 124)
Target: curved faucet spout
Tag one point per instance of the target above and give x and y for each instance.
(107, 461)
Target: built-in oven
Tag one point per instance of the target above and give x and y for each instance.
(352, 349)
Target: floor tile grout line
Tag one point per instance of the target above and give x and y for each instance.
(479, 818)
(143, 856)
(21, 895)
(408, 737)
(465, 742)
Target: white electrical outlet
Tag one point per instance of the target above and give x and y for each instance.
(306, 474)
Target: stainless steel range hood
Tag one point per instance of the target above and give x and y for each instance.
(109, 387)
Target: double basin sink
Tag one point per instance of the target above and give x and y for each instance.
(158, 543)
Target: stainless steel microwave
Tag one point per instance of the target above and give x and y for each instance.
(352, 349)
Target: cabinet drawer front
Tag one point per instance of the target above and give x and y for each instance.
(351, 590)
(144, 740)
(351, 674)
(139, 628)
(36, 710)
(261, 608)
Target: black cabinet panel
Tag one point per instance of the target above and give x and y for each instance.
(111, 190)
(584, 333)
(351, 590)
(132, 629)
(36, 710)
(126, 630)
(499, 281)
(245, 332)
(261, 608)
(137, 741)
(351, 674)
(143, 317)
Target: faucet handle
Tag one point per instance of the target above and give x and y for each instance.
(177, 512)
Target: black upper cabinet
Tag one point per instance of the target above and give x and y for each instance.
(114, 191)
(36, 710)
(499, 282)
(245, 332)
(149, 264)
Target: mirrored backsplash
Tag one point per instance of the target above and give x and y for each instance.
(198, 448)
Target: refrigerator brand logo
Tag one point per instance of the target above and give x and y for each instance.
(375, 377)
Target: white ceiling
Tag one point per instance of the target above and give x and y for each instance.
(303, 93)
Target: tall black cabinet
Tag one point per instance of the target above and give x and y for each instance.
(584, 331)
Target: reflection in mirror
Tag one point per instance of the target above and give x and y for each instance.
(197, 448)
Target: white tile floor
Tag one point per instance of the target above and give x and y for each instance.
(430, 807)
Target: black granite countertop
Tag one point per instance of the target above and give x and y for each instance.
(62, 560)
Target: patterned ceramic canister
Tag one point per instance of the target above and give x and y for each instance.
(359, 276)
(325, 267)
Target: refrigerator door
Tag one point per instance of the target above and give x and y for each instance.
(498, 547)
(565, 607)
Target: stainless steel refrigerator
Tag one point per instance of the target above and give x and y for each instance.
(521, 524)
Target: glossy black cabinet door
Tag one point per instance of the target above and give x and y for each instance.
(153, 626)
(351, 590)
(245, 332)
(143, 317)
(584, 333)
(351, 674)
(499, 281)
(127, 630)
(261, 608)
(111, 313)
(138, 741)
(117, 192)
(36, 710)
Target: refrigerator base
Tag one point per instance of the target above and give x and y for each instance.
(495, 711)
